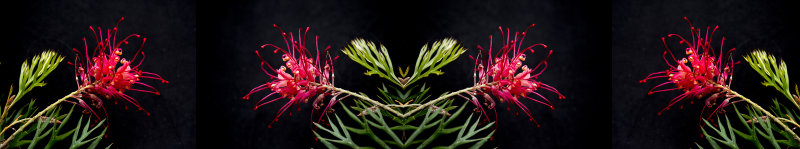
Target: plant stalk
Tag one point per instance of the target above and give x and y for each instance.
(14, 123)
(409, 113)
(789, 121)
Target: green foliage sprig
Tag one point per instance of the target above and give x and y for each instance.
(430, 61)
(377, 61)
(80, 139)
(31, 76)
(775, 74)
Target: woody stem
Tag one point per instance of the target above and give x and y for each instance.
(409, 113)
(14, 123)
(789, 121)
(362, 97)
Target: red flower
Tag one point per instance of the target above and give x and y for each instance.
(108, 73)
(305, 78)
(503, 78)
(698, 74)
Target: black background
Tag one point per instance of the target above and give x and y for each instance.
(31, 27)
(230, 32)
(637, 28)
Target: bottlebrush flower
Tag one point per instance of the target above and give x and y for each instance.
(505, 77)
(108, 73)
(306, 78)
(699, 72)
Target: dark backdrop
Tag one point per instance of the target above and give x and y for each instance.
(232, 30)
(637, 28)
(30, 27)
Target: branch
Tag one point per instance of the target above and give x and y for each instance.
(409, 113)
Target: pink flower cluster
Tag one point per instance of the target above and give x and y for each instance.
(108, 73)
(306, 78)
(697, 74)
(505, 77)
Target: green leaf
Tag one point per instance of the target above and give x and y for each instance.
(31, 76)
(429, 61)
(342, 137)
(57, 135)
(774, 73)
(727, 139)
(85, 135)
(759, 130)
(49, 129)
(465, 134)
(367, 54)
(432, 123)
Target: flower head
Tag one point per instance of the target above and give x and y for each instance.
(104, 73)
(699, 73)
(307, 77)
(505, 77)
